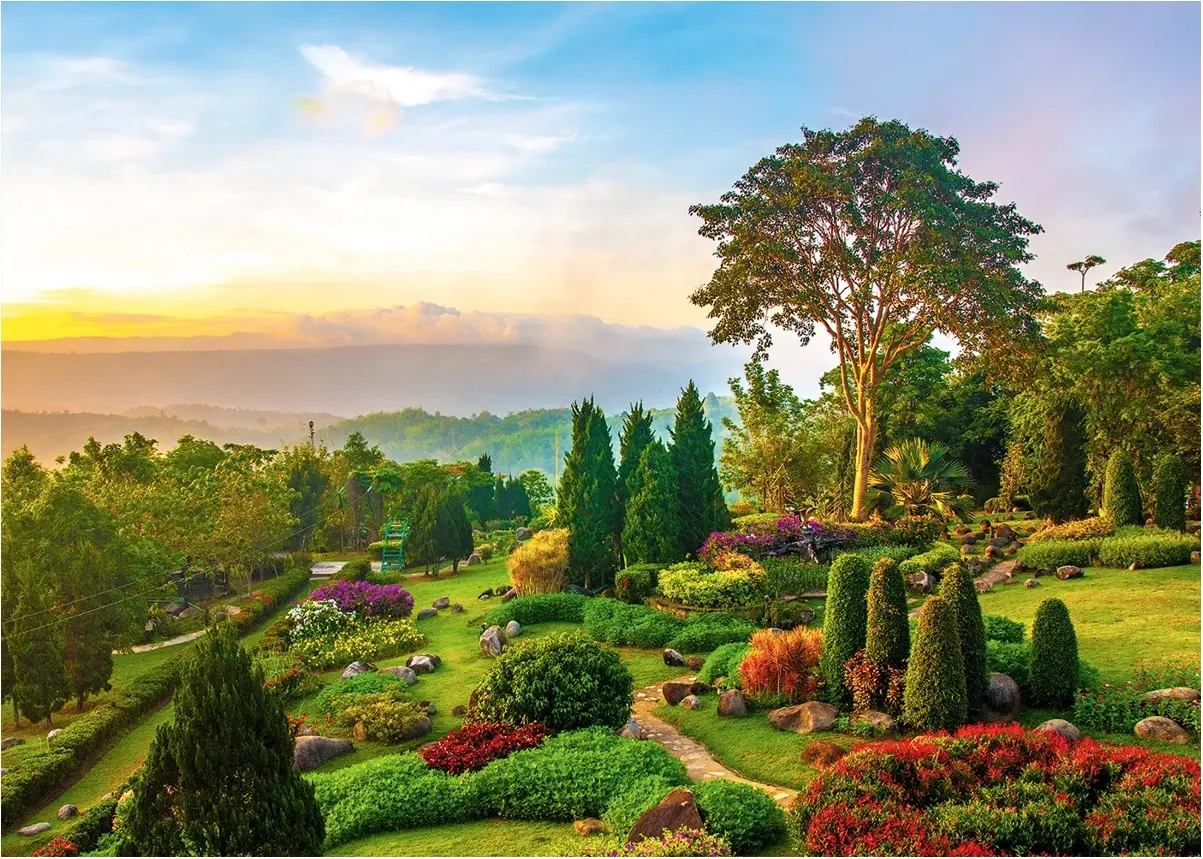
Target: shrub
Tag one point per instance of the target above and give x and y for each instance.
(544, 608)
(1121, 492)
(86, 832)
(285, 675)
(1079, 529)
(626, 808)
(748, 818)
(934, 699)
(724, 662)
(702, 633)
(364, 599)
(1051, 554)
(370, 640)
(376, 550)
(619, 623)
(637, 582)
(873, 554)
(874, 686)
(956, 586)
(1054, 668)
(316, 619)
(887, 636)
(560, 681)
(782, 667)
(57, 847)
(1117, 709)
(386, 716)
(1148, 547)
(696, 586)
(999, 628)
(335, 696)
(932, 561)
(473, 746)
(353, 571)
(792, 575)
(1169, 493)
(1015, 660)
(681, 842)
(918, 531)
(847, 618)
(996, 505)
(539, 564)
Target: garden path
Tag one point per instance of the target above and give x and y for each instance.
(1000, 572)
(179, 639)
(698, 760)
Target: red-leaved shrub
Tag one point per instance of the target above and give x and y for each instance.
(58, 847)
(473, 746)
(782, 667)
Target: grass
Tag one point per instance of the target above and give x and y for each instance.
(494, 837)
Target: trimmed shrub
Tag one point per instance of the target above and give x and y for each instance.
(560, 681)
(619, 623)
(473, 747)
(746, 817)
(353, 571)
(996, 505)
(1013, 658)
(782, 667)
(539, 565)
(626, 808)
(1054, 670)
(888, 635)
(386, 717)
(1169, 493)
(1121, 492)
(791, 575)
(934, 699)
(846, 622)
(334, 696)
(86, 832)
(932, 561)
(1079, 529)
(702, 633)
(918, 531)
(999, 628)
(370, 640)
(1057, 553)
(956, 586)
(1148, 547)
(696, 586)
(544, 608)
(637, 582)
(724, 662)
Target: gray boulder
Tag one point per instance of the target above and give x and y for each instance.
(1162, 729)
(51, 736)
(474, 559)
(428, 612)
(513, 629)
(442, 602)
(1031, 583)
(1062, 727)
(732, 704)
(691, 702)
(429, 707)
(311, 752)
(512, 593)
(968, 539)
(493, 641)
(1001, 700)
(9, 742)
(1173, 693)
(423, 663)
(456, 608)
(671, 657)
(631, 731)
(920, 583)
(33, 829)
(356, 668)
(68, 811)
(404, 672)
(1069, 571)
(523, 534)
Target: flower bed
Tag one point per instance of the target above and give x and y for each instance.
(1000, 790)
(365, 599)
(1117, 709)
(366, 639)
(473, 746)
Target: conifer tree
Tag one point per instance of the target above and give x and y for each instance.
(485, 463)
(934, 699)
(422, 544)
(219, 780)
(699, 491)
(956, 586)
(845, 626)
(454, 530)
(1169, 493)
(1121, 492)
(588, 499)
(650, 534)
(635, 436)
(518, 499)
(888, 636)
(36, 644)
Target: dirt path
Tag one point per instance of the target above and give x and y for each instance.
(700, 764)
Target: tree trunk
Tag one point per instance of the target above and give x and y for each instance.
(866, 439)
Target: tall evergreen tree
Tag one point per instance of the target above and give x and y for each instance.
(454, 531)
(517, 498)
(422, 544)
(1121, 492)
(956, 587)
(502, 499)
(636, 435)
(1169, 493)
(219, 780)
(1058, 488)
(934, 697)
(888, 635)
(699, 491)
(650, 534)
(485, 463)
(36, 645)
(588, 499)
(847, 620)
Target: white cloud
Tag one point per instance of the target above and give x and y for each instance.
(537, 144)
(61, 72)
(172, 128)
(403, 85)
(119, 147)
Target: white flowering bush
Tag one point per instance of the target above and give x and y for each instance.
(366, 639)
(314, 619)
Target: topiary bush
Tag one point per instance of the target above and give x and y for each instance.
(873, 554)
(1054, 667)
(697, 586)
(1147, 547)
(637, 582)
(626, 808)
(1057, 553)
(956, 586)
(931, 561)
(746, 817)
(724, 662)
(1121, 492)
(888, 635)
(934, 699)
(544, 608)
(846, 622)
(561, 681)
(1169, 493)
(999, 628)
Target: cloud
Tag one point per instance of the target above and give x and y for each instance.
(405, 86)
(65, 72)
(172, 128)
(538, 144)
(119, 147)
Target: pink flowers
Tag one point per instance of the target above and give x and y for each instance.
(367, 599)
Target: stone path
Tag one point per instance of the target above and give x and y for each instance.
(700, 764)
(179, 639)
(326, 569)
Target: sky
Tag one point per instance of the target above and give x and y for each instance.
(172, 170)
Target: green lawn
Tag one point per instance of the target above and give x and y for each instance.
(494, 837)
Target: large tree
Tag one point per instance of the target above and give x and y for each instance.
(652, 523)
(699, 491)
(588, 499)
(875, 236)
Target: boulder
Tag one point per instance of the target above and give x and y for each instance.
(968, 539)
(877, 724)
(1031, 583)
(1069, 572)
(51, 736)
(9, 742)
(983, 587)
(695, 663)
(1194, 557)
(33, 829)
(589, 826)
(1000, 703)
(474, 559)
(994, 552)
(1004, 532)
(1062, 727)
(999, 542)
(822, 753)
(1012, 548)
(804, 718)
(429, 707)
(68, 811)
(423, 663)
(919, 583)
(356, 668)
(456, 608)
(631, 731)
(691, 702)
(671, 657)
(493, 641)
(732, 703)
(523, 534)
(1042, 572)
(404, 672)
(1162, 729)
(311, 752)
(428, 612)
(459, 711)
(700, 688)
(675, 692)
(676, 811)
(513, 629)
(487, 595)
(502, 590)
(511, 594)
(1174, 693)
(420, 729)
(966, 551)
(441, 602)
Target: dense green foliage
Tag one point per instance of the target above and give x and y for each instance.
(888, 634)
(614, 622)
(1051, 554)
(956, 586)
(745, 816)
(1054, 669)
(587, 504)
(1147, 547)
(921, 479)
(651, 530)
(794, 575)
(999, 628)
(541, 608)
(1169, 493)
(699, 492)
(1121, 492)
(633, 439)
(846, 622)
(637, 582)
(935, 698)
(697, 586)
(932, 561)
(724, 662)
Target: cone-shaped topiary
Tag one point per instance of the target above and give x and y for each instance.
(847, 619)
(934, 698)
(888, 636)
(1054, 673)
(1169, 493)
(219, 780)
(1121, 492)
(956, 586)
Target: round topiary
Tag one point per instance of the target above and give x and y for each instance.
(956, 585)
(888, 635)
(562, 681)
(1054, 671)
(934, 699)
(1169, 493)
(1121, 492)
(746, 817)
(847, 619)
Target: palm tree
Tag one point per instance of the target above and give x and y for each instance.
(923, 479)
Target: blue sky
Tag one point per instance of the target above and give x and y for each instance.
(255, 160)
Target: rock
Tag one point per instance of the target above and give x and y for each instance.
(429, 707)
(732, 703)
(994, 552)
(459, 711)
(502, 590)
(472, 699)
(878, 724)
(1004, 532)
(1000, 703)
(360, 732)
(589, 826)
(804, 718)
(428, 612)
(1175, 693)
(420, 729)
(822, 753)
(1135, 565)
(511, 594)
(776, 630)
(50, 736)
(493, 641)
(9, 742)
(68, 811)
(999, 542)
(404, 672)
(676, 811)
(441, 602)
(1042, 572)
(35, 829)
(513, 629)
(631, 731)
(960, 530)
(695, 663)
(966, 551)
(473, 560)
(487, 595)
(968, 539)
(523, 534)
(1031, 583)
(675, 691)
(983, 587)
(1069, 572)
(977, 566)
(1194, 557)
(311, 752)
(1062, 727)
(1012, 548)
(456, 608)
(671, 657)
(691, 702)
(423, 663)
(919, 583)
(1162, 729)
(700, 688)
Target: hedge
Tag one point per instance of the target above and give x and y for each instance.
(792, 574)
(932, 561)
(540, 608)
(1057, 553)
(1147, 547)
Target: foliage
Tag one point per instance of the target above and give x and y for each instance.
(1050, 554)
(539, 491)
(286, 676)
(782, 667)
(91, 826)
(1117, 709)
(365, 599)
(386, 717)
(651, 529)
(681, 842)
(935, 696)
(887, 635)
(560, 681)
(873, 554)
(1081, 529)
(748, 818)
(793, 575)
(543, 608)
(702, 633)
(932, 561)
(57, 847)
(637, 582)
(422, 542)
(1169, 492)
(634, 437)
(539, 565)
(334, 696)
(957, 587)
(999, 628)
(694, 585)
(370, 640)
(1051, 433)
(1147, 547)
(846, 622)
(1015, 660)
(1054, 671)
(699, 492)
(316, 618)
(473, 746)
(724, 661)
(1121, 492)
(588, 502)
(923, 480)
(874, 686)
(613, 622)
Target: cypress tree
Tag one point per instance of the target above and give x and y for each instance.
(502, 499)
(454, 531)
(219, 779)
(699, 491)
(588, 500)
(1054, 673)
(422, 544)
(485, 463)
(934, 699)
(845, 626)
(36, 644)
(956, 586)
(519, 500)
(636, 435)
(1121, 492)
(1169, 493)
(888, 632)
(651, 531)
(1059, 489)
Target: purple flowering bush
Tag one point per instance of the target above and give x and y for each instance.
(365, 599)
(763, 536)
